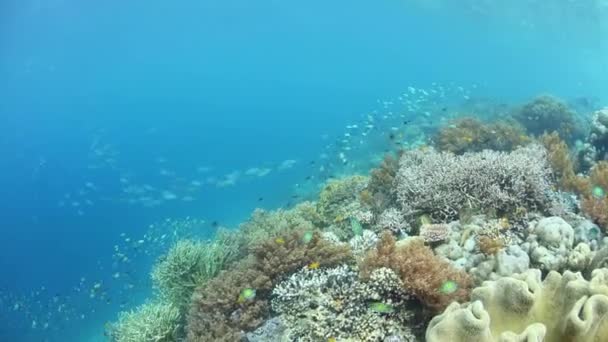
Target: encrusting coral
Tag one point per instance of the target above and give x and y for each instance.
(158, 322)
(523, 308)
(423, 273)
(442, 185)
(469, 134)
(219, 309)
(323, 304)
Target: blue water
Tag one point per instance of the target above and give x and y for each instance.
(97, 96)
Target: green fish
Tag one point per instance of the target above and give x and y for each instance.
(448, 287)
(246, 295)
(598, 192)
(307, 237)
(356, 227)
(381, 308)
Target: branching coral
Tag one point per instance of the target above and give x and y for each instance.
(392, 219)
(217, 312)
(189, 264)
(524, 308)
(547, 114)
(422, 272)
(318, 305)
(469, 134)
(442, 185)
(157, 322)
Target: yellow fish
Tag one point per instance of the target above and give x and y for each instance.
(279, 241)
(331, 339)
(314, 265)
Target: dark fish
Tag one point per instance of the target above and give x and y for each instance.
(391, 136)
(214, 224)
(444, 109)
(407, 122)
(260, 199)
(295, 196)
(312, 162)
(308, 177)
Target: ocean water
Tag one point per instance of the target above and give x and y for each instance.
(121, 118)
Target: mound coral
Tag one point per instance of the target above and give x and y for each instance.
(422, 272)
(598, 137)
(263, 225)
(219, 311)
(471, 135)
(547, 114)
(318, 305)
(442, 185)
(378, 194)
(524, 308)
(339, 199)
(158, 322)
(189, 264)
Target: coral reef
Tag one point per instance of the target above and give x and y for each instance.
(524, 308)
(318, 305)
(442, 185)
(189, 264)
(469, 134)
(422, 272)
(158, 322)
(217, 312)
(546, 114)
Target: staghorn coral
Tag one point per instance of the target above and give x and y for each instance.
(318, 305)
(421, 271)
(158, 322)
(523, 308)
(217, 314)
(442, 185)
(469, 134)
(392, 219)
(189, 264)
(547, 114)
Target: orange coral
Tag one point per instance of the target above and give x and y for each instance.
(490, 245)
(422, 272)
(217, 314)
(594, 206)
(469, 134)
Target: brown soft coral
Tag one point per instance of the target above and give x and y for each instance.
(596, 205)
(216, 312)
(562, 164)
(422, 272)
(469, 134)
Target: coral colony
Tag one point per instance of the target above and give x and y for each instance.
(490, 231)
